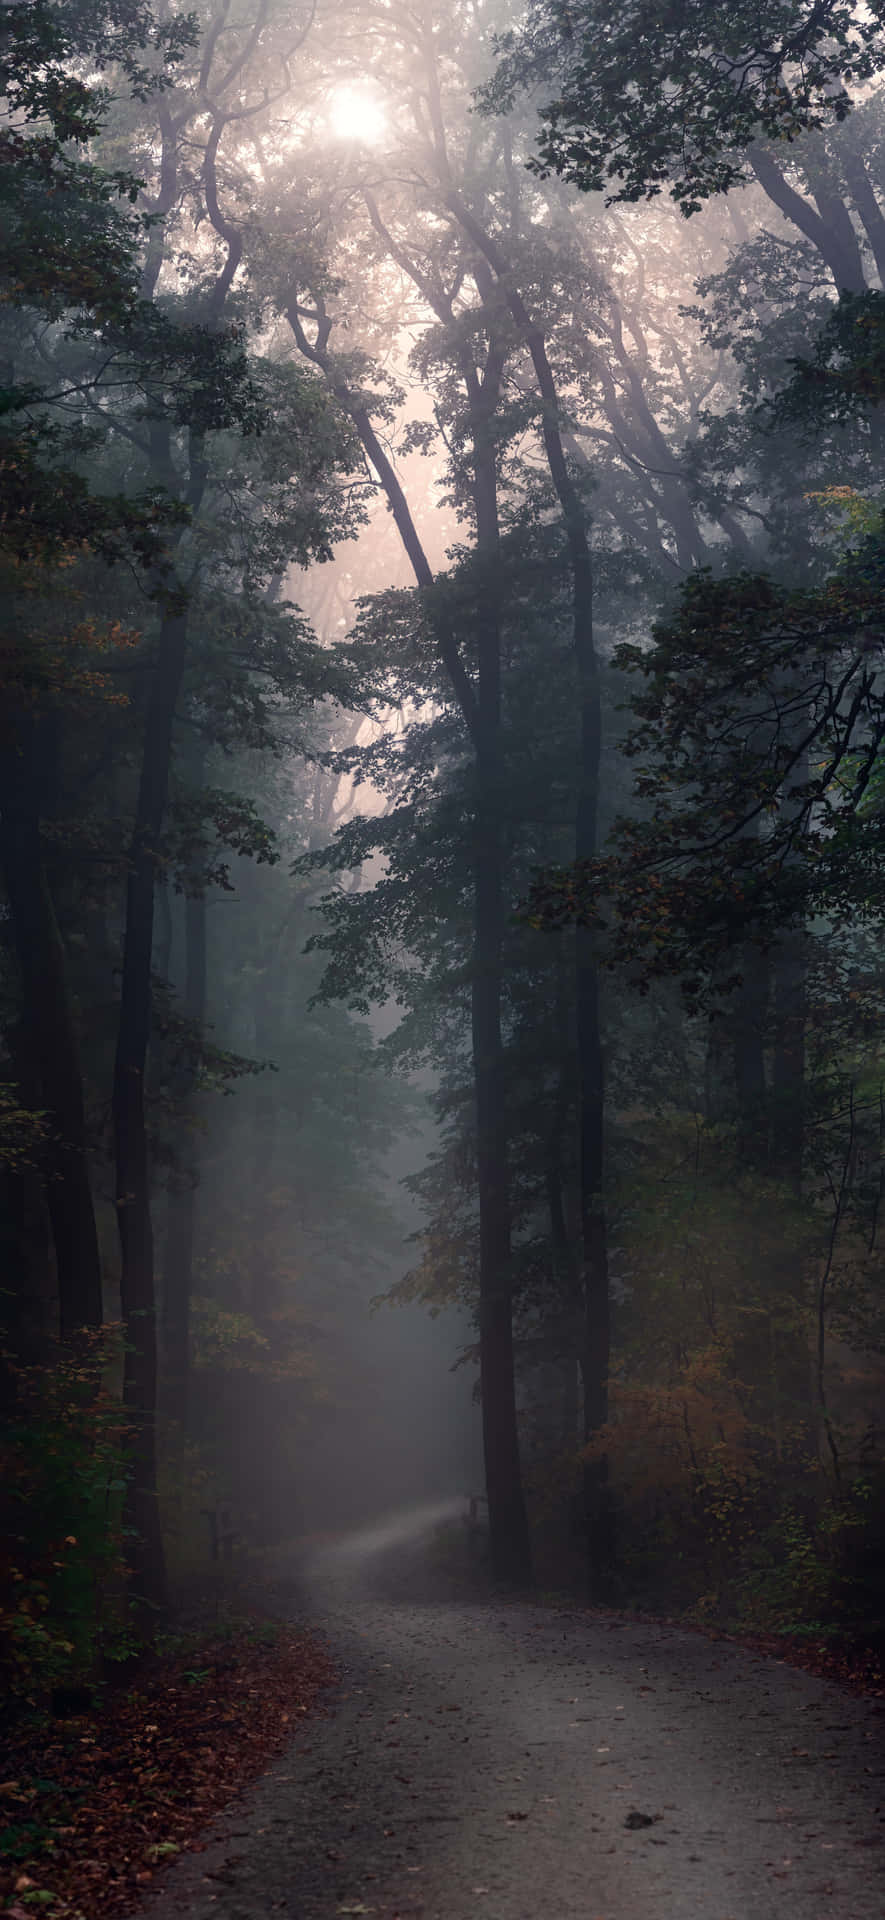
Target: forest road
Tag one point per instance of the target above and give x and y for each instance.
(520, 1762)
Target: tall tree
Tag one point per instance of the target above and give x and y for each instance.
(69, 256)
(656, 99)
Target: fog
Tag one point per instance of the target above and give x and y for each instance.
(440, 803)
(418, 1451)
(398, 1529)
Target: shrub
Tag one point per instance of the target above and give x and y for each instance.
(63, 1464)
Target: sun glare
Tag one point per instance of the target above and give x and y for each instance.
(356, 114)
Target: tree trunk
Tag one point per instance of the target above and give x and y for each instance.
(835, 240)
(566, 1262)
(50, 1038)
(137, 1280)
(748, 1020)
(508, 1526)
(788, 1067)
(568, 1287)
(137, 1296)
(597, 1332)
(862, 193)
(597, 1312)
(508, 1523)
(179, 1255)
(262, 1117)
(789, 964)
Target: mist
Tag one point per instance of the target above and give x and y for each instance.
(440, 812)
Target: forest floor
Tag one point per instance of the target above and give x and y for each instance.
(532, 1762)
(93, 1802)
(545, 1763)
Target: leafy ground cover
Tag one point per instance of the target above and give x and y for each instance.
(93, 1804)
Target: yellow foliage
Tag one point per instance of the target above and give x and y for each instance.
(858, 515)
(689, 1432)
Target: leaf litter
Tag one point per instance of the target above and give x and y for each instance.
(92, 1806)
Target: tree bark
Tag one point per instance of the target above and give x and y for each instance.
(262, 1115)
(597, 1320)
(179, 1252)
(137, 1295)
(789, 967)
(508, 1525)
(137, 1279)
(565, 1261)
(863, 194)
(837, 246)
(748, 1021)
(788, 1065)
(137, 1283)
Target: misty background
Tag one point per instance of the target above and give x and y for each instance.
(441, 787)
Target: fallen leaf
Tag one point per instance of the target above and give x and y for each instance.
(116, 1817)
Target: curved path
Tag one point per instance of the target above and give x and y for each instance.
(523, 1763)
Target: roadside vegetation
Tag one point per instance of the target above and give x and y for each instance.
(442, 776)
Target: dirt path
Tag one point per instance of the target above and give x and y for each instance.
(530, 1764)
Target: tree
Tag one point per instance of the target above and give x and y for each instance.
(661, 98)
(70, 254)
(148, 381)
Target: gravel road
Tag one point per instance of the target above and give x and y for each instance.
(528, 1763)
